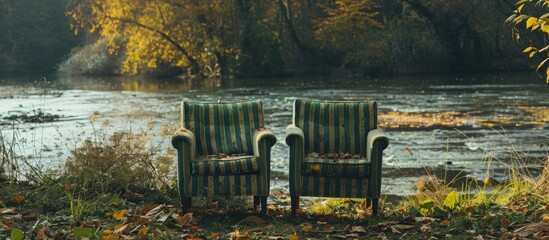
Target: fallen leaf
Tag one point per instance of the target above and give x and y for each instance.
(445, 222)
(120, 214)
(143, 231)
(121, 230)
(255, 219)
(238, 235)
(403, 227)
(138, 219)
(426, 229)
(185, 219)
(6, 210)
(110, 237)
(425, 219)
(294, 237)
(504, 222)
(41, 234)
(490, 231)
(214, 235)
(307, 228)
(359, 229)
(546, 218)
(478, 237)
(530, 229)
(394, 230)
(152, 210)
(29, 216)
(19, 198)
(327, 228)
(107, 232)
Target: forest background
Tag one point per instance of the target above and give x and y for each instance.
(255, 38)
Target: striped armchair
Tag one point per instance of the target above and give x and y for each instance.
(335, 151)
(223, 150)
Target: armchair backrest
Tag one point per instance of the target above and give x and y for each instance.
(335, 126)
(223, 127)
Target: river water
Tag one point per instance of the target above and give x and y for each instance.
(467, 126)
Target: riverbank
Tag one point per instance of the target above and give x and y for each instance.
(60, 209)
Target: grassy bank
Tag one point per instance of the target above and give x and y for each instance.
(118, 185)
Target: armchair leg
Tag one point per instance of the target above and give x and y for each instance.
(186, 204)
(256, 202)
(375, 206)
(263, 205)
(295, 204)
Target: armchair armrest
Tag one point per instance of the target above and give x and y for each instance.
(184, 141)
(296, 140)
(263, 140)
(260, 135)
(375, 136)
(186, 136)
(293, 131)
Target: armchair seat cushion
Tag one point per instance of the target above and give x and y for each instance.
(220, 164)
(336, 166)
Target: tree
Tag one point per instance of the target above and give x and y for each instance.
(34, 35)
(469, 30)
(348, 31)
(535, 17)
(205, 38)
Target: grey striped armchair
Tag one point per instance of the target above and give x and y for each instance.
(223, 150)
(335, 151)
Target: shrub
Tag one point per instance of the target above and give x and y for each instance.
(117, 162)
(93, 59)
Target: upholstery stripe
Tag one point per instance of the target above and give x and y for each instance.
(336, 147)
(334, 187)
(332, 130)
(325, 127)
(225, 185)
(335, 126)
(234, 124)
(316, 129)
(205, 166)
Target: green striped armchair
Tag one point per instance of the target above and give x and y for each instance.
(335, 151)
(223, 150)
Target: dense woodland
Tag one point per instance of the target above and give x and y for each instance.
(255, 38)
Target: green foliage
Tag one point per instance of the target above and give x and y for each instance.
(83, 232)
(77, 208)
(452, 200)
(17, 234)
(427, 207)
(535, 16)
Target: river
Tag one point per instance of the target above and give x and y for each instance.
(469, 125)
